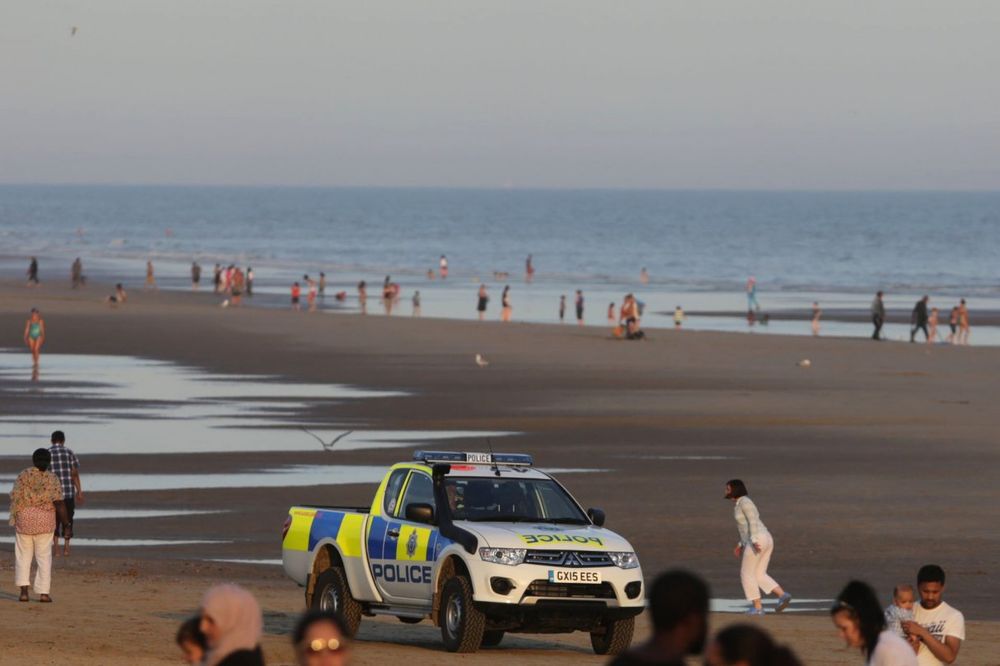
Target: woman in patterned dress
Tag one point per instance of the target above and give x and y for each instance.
(35, 500)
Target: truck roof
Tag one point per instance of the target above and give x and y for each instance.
(480, 470)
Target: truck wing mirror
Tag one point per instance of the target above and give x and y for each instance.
(596, 516)
(420, 513)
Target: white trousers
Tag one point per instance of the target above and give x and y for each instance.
(37, 547)
(753, 569)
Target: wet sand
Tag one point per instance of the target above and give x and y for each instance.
(877, 458)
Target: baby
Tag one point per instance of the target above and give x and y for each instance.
(900, 610)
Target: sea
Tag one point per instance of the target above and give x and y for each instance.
(698, 248)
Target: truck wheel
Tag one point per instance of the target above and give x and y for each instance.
(333, 594)
(614, 637)
(492, 638)
(462, 624)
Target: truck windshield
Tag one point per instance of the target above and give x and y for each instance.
(511, 500)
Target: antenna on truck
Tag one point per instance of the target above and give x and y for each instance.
(493, 459)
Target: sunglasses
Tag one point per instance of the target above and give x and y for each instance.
(319, 645)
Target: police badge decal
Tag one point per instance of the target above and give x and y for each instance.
(411, 544)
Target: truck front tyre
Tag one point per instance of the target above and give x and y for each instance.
(332, 593)
(462, 624)
(613, 637)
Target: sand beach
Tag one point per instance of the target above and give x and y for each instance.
(873, 460)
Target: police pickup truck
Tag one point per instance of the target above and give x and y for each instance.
(479, 543)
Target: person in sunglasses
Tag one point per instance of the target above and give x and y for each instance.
(320, 639)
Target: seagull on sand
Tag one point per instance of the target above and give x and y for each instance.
(327, 446)
(481, 361)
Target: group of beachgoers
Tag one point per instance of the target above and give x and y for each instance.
(927, 320)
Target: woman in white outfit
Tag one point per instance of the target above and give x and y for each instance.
(755, 547)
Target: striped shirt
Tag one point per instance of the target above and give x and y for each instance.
(64, 461)
(748, 522)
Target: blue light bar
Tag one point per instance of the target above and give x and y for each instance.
(430, 457)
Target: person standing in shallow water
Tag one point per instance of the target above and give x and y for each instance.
(484, 298)
(918, 320)
(754, 549)
(33, 273)
(878, 316)
(150, 278)
(195, 275)
(508, 309)
(817, 313)
(363, 297)
(562, 308)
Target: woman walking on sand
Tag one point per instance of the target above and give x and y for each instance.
(484, 298)
(507, 308)
(755, 548)
(150, 279)
(34, 334)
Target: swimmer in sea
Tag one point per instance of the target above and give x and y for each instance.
(34, 334)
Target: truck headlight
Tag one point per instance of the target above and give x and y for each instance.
(625, 560)
(509, 556)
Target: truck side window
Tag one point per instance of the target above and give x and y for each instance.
(419, 491)
(390, 501)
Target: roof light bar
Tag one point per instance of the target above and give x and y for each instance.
(512, 459)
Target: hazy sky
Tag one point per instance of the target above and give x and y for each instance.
(699, 94)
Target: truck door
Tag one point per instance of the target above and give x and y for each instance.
(408, 548)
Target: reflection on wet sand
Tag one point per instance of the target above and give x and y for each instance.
(110, 401)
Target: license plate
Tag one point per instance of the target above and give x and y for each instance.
(573, 576)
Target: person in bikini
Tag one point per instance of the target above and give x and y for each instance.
(34, 334)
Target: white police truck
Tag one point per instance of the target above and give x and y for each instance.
(479, 543)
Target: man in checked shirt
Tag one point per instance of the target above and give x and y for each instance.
(65, 466)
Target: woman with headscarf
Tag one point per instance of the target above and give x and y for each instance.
(232, 623)
(35, 500)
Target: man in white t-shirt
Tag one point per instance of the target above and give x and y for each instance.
(936, 630)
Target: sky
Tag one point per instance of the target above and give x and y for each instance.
(766, 94)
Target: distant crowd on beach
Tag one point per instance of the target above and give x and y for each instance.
(233, 283)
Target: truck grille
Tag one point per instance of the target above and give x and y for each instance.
(543, 588)
(568, 558)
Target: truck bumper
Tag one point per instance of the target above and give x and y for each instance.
(552, 616)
